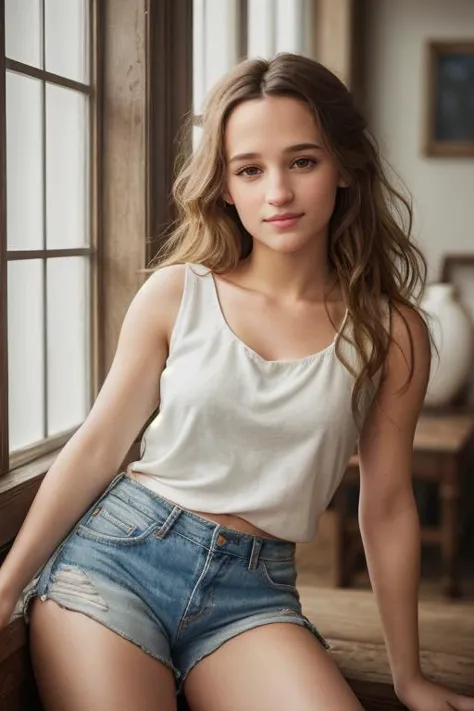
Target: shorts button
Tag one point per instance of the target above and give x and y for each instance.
(221, 540)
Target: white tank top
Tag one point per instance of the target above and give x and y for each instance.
(236, 434)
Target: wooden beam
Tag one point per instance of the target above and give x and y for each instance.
(123, 164)
(4, 463)
(334, 36)
(169, 102)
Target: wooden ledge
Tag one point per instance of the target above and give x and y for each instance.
(17, 490)
(349, 620)
(17, 688)
(12, 638)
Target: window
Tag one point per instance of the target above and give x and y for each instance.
(148, 74)
(227, 32)
(48, 233)
(279, 26)
(219, 42)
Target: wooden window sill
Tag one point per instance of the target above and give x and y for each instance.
(17, 491)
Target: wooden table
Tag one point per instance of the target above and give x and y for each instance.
(439, 455)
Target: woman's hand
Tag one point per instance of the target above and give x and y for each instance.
(423, 695)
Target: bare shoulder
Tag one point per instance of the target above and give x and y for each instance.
(407, 320)
(159, 298)
(166, 283)
(410, 345)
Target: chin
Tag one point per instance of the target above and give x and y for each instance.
(287, 244)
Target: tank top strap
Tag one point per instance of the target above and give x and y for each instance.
(197, 312)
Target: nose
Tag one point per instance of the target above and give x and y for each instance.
(279, 191)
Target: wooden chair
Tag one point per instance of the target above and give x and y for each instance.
(439, 455)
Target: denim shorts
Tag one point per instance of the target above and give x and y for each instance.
(174, 583)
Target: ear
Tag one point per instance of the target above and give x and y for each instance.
(342, 182)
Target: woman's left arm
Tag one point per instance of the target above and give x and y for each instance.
(388, 514)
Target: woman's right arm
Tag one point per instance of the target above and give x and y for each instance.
(92, 457)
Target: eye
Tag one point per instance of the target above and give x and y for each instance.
(250, 171)
(303, 163)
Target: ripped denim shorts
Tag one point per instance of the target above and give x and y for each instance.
(173, 583)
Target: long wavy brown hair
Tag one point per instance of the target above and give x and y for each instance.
(369, 245)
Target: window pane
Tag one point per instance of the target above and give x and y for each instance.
(24, 162)
(261, 28)
(67, 168)
(23, 31)
(289, 29)
(68, 343)
(67, 40)
(276, 26)
(25, 353)
(197, 135)
(215, 44)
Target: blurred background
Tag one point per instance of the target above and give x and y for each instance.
(94, 97)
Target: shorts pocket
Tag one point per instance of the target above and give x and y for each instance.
(115, 522)
(279, 574)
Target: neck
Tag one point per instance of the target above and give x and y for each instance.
(290, 277)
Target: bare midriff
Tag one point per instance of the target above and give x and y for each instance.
(228, 520)
(234, 522)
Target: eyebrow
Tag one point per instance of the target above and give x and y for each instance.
(291, 149)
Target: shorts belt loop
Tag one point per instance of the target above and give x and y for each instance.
(255, 554)
(169, 523)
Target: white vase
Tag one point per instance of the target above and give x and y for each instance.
(453, 336)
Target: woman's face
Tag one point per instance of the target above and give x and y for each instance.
(280, 178)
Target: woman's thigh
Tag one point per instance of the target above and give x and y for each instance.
(80, 664)
(271, 668)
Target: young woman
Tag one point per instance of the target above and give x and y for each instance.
(279, 331)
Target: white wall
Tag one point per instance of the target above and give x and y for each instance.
(443, 188)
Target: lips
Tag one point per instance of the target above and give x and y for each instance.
(285, 221)
(286, 216)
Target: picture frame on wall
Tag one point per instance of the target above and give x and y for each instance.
(449, 115)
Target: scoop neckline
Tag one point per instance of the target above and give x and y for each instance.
(293, 361)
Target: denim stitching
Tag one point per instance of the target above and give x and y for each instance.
(183, 621)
